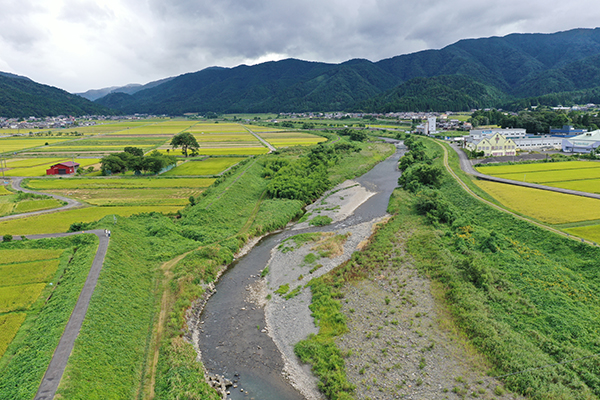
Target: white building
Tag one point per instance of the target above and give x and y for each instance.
(539, 142)
(475, 135)
(583, 143)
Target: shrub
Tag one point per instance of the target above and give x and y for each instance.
(320, 220)
(7, 238)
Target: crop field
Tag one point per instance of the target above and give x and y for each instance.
(61, 221)
(543, 205)
(591, 232)
(210, 166)
(285, 139)
(106, 144)
(203, 127)
(4, 191)
(32, 272)
(158, 128)
(118, 183)
(9, 325)
(209, 138)
(499, 170)
(37, 168)
(36, 205)
(133, 197)
(19, 297)
(18, 144)
(23, 274)
(258, 128)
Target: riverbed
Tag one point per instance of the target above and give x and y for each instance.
(234, 336)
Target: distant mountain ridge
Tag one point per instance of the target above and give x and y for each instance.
(492, 71)
(94, 94)
(20, 97)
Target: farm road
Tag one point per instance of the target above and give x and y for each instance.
(263, 141)
(466, 166)
(57, 365)
(16, 184)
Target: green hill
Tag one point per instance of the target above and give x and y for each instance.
(21, 97)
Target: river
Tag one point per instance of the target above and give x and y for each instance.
(229, 329)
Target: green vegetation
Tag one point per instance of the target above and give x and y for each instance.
(320, 220)
(211, 166)
(506, 282)
(28, 355)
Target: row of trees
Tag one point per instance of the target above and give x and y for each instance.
(133, 159)
(538, 121)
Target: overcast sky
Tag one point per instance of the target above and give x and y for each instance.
(86, 44)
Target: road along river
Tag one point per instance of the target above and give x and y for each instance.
(231, 331)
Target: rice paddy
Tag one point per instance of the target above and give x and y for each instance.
(118, 183)
(9, 325)
(210, 166)
(286, 139)
(543, 205)
(576, 175)
(61, 221)
(13, 144)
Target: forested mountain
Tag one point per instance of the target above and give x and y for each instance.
(20, 97)
(446, 92)
(495, 71)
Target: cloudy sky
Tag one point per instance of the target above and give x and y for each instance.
(86, 44)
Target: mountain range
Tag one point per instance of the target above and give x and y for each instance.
(513, 71)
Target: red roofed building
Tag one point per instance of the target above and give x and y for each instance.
(69, 167)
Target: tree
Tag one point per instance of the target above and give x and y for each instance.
(136, 151)
(186, 141)
(112, 164)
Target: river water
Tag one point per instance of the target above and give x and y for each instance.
(229, 329)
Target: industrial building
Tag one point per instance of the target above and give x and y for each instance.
(582, 143)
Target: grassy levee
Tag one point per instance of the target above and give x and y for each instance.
(526, 298)
(28, 355)
(109, 354)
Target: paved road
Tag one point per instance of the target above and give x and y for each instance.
(466, 166)
(263, 141)
(16, 184)
(57, 365)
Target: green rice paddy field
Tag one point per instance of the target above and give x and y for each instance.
(118, 183)
(23, 275)
(210, 166)
(549, 207)
(61, 221)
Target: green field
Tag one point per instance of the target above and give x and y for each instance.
(118, 183)
(9, 256)
(18, 144)
(168, 127)
(286, 139)
(133, 197)
(32, 272)
(38, 166)
(20, 297)
(36, 205)
(60, 222)
(210, 166)
(9, 325)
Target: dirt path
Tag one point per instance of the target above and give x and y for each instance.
(57, 365)
(165, 302)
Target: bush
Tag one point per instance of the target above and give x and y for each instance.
(320, 220)
(7, 238)
(434, 206)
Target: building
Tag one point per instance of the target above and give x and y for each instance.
(583, 143)
(539, 142)
(475, 135)
(567, 130)
(69, 167)
(495, 146)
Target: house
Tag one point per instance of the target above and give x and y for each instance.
(495, 146)
(69, 167)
